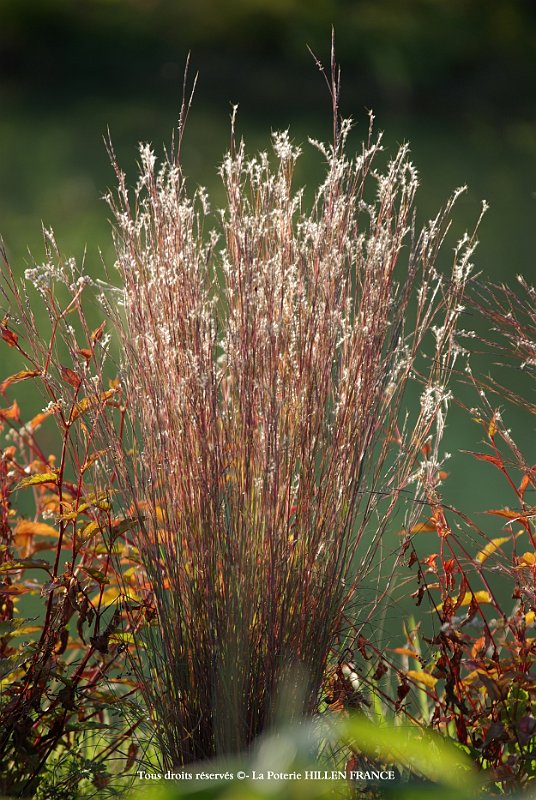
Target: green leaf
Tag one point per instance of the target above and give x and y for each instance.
(8, 627)
(418, 750)
(97, 575)
(121, 526)
(11, 664)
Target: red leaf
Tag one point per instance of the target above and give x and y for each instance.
(9, 337)
(131, 756)
(461, 730)
(492, 459)
(71, 377)
(526, 728)
(401, 691)
(351, 765)
(430, 562)
(361, 642)
(381, 669)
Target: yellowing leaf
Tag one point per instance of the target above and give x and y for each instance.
(527, 560)
(109, 597)
(19, 376)
(35, 480)
(101, 502)
(25, 563)
(424, 527)
(8, 682)
(490, 548)
(97, 333)
(97, 575)
(85, 533)
(480, 597)
(422, 677)
(16, 589)
(26, 527)
(91, 459)
(121, 636)
(90, 402)
(530, 618)
(29, 629)
(120, 526)
(471, 677)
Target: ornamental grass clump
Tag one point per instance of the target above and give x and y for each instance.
(266, 350)
(229, 492)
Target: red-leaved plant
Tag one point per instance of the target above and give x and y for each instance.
(62, 628)
(474, 677)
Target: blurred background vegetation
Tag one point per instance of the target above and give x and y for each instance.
(454, 77)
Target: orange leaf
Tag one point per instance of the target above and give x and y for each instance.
(405, 651)
(26, 527)
(526, 480)
(85, 353)
(16, 589)
(505, 512)
(41, 417)
(11, 412)
(97, 333)
(18, 376)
